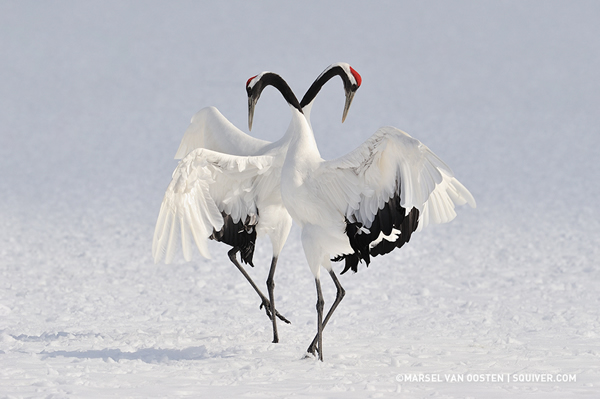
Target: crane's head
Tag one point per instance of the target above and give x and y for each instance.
(256, 84)
(351, 79)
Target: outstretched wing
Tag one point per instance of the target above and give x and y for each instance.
(209, 192)
(210, 129)
(387, 188)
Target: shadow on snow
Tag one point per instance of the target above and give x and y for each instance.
(148, 355)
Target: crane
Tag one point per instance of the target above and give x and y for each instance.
(363, 204)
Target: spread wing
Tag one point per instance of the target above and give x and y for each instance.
(210, 129)
(207, 187)
(387, 188)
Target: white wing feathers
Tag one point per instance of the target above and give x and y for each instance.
(204, 184)
(360, 183)
(440, 206)
(210, 129)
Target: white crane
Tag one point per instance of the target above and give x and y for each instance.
(363, 204)
(227, 188)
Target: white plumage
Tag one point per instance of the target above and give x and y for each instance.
(391, 161)
(210, 129)
(363, 204)
(206, 184)
(227, 188)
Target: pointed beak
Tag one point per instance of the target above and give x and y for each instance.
(349, 98)
(251, 104)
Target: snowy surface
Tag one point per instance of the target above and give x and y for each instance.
(95, 96)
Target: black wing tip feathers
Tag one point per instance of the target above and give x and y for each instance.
(391, 216)
(240, 235)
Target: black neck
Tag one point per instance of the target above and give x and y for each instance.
(272, 79)
(315, 88)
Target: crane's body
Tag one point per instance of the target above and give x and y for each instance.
(228, 166)
(363, 204)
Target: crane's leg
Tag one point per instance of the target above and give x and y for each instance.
(338, 298)
(271, 288)
(320, 303)
(265, 301)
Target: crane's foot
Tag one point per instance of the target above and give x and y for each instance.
(312, 350)
(313, 353)
(267, 305)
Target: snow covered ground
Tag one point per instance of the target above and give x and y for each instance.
(94, 98)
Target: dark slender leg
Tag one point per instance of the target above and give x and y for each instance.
(265, 301)
(270, 288)
(320, 303)
(338, 298)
